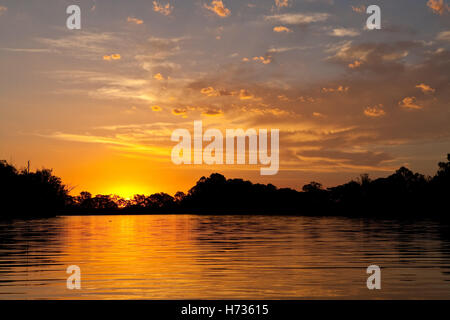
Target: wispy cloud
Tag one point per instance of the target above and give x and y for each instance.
(425, 88)
(135, 20)
(82, 44)
(343, 32)
(298, 18)
(28, 50)
(443, 36)
(281, 29)
(120, 141)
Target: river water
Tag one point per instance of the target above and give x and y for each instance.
(223, 257)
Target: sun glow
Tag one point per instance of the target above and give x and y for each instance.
(127, 191)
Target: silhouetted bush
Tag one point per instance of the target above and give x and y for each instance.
(28, 194)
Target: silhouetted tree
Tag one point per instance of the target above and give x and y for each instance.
(404, 193)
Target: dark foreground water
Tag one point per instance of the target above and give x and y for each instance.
(222, 257)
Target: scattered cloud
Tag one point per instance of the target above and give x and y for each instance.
(425, 88)
(378, 57)
(443, 36)
(218, 7)
(438, 6)
(282, 3)
(82, 44)
(111, 57)
(3, 10)
(409, 103)
(359, 9)
(375, 111)
(245, 95)
(156, 108)
(343, 32)
(281, 29)
(180, 112)
(212, 113)
(163, 9)
(211, 92)
(28, 50)
(263, 60)
(349, 158)
(135, 20)
(158, 76)
(339, 89)
(356, 64)
(298, 18)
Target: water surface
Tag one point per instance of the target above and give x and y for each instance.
(223, 257)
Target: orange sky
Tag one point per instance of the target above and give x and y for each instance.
(98, 105)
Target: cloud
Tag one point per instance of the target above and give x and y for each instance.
(109, 85)
(375, 111)
(360, 9)
(339, 89)
(378, 57)
(443, 36)
(345, 158)
(318, 114)
(156, 108)
(263, 60)
(212, 113)
(83, 44)
(180, 112)
(211, 92)
(409, 103)
(282, 3)
(425, 88)
(286, 49)
(158, 76)
(123, 142)
(343, 32)
(298, 18)
(28, 50)
(135, 20)
(3, 10)
(114, 56)
(163, 9)
(245, 95)
(281, 29)
(218, 8)
(438, 6)
(355, 64)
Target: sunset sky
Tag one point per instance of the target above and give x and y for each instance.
(99, 105)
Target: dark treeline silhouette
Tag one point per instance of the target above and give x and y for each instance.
(402, 194)
(24, 193)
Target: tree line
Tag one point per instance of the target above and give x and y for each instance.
(403, 193)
